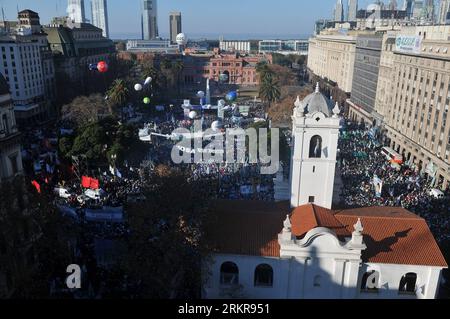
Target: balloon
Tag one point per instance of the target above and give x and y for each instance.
(102, 66)
(200, 94)
(148, 81)
(192, 115)
(146, 100)
(138, 87)
(181, 39)
(231, 96)
(92, 67)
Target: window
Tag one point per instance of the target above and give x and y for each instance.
(314, 168)
(13, 160)
(315, 147)
(5, 123)
(408, 284)
(229, 274)
(317, 280)
(311, 199)
(264, 276)
(369, 281)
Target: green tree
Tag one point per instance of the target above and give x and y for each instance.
(166, 245)
(33, 240)
(118, 93)
(92, 142)
(86, 109)
(269, 89)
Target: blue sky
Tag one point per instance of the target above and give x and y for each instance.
(207, 18)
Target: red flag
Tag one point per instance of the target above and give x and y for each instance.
(37, 186)
(95, 184)
(85, 181)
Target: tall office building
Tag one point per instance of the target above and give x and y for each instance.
(149, 19)
(75, 10)
(408, 6)
(444, 12)
(175, 26)
(352, 9)
(99, 9)
(339, 11)
(392, 5)
(429, 12)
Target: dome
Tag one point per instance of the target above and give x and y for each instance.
(317, 102)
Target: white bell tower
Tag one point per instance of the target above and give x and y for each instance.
(315, 133)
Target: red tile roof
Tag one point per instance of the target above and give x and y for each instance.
(392, 235)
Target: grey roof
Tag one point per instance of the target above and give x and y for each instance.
(317, 102)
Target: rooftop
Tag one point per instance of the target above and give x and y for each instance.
(393, 235)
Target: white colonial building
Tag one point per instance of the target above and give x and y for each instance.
(308, 250)
(10, 158)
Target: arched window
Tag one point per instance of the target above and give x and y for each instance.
(317, 280)
(315, 147)
(229, 273)
(264, 276)
(369, 281)
(408, 283)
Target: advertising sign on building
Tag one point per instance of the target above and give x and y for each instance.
(408, 44)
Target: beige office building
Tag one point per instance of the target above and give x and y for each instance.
(413, 97)
(332, 56)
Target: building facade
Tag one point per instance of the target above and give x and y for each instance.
(75, 45)
(10, 155)
(339, 11)
(162, 46)
(444, 12)
(299, 47)
(75, 10)
(20, 63)
(373, 19)
(99, 10)
(315, 252)
(149, 19)
(408, 6)
(352, 10)
(175, 26)
(414, 98)
(235, 46)
(332, 57)
(240, 69)
(365, 77)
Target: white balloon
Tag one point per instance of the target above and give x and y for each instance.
(138, 87)
(181, 39)
(148, 81)
(192, 115)
(200, 94)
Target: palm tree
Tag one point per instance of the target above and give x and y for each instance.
(269, 89)
(117, 93)
(178, 67)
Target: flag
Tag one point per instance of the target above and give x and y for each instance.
(95, 184)
(37, 186)
(85, 181)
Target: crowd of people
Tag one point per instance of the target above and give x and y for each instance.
(361, 163)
